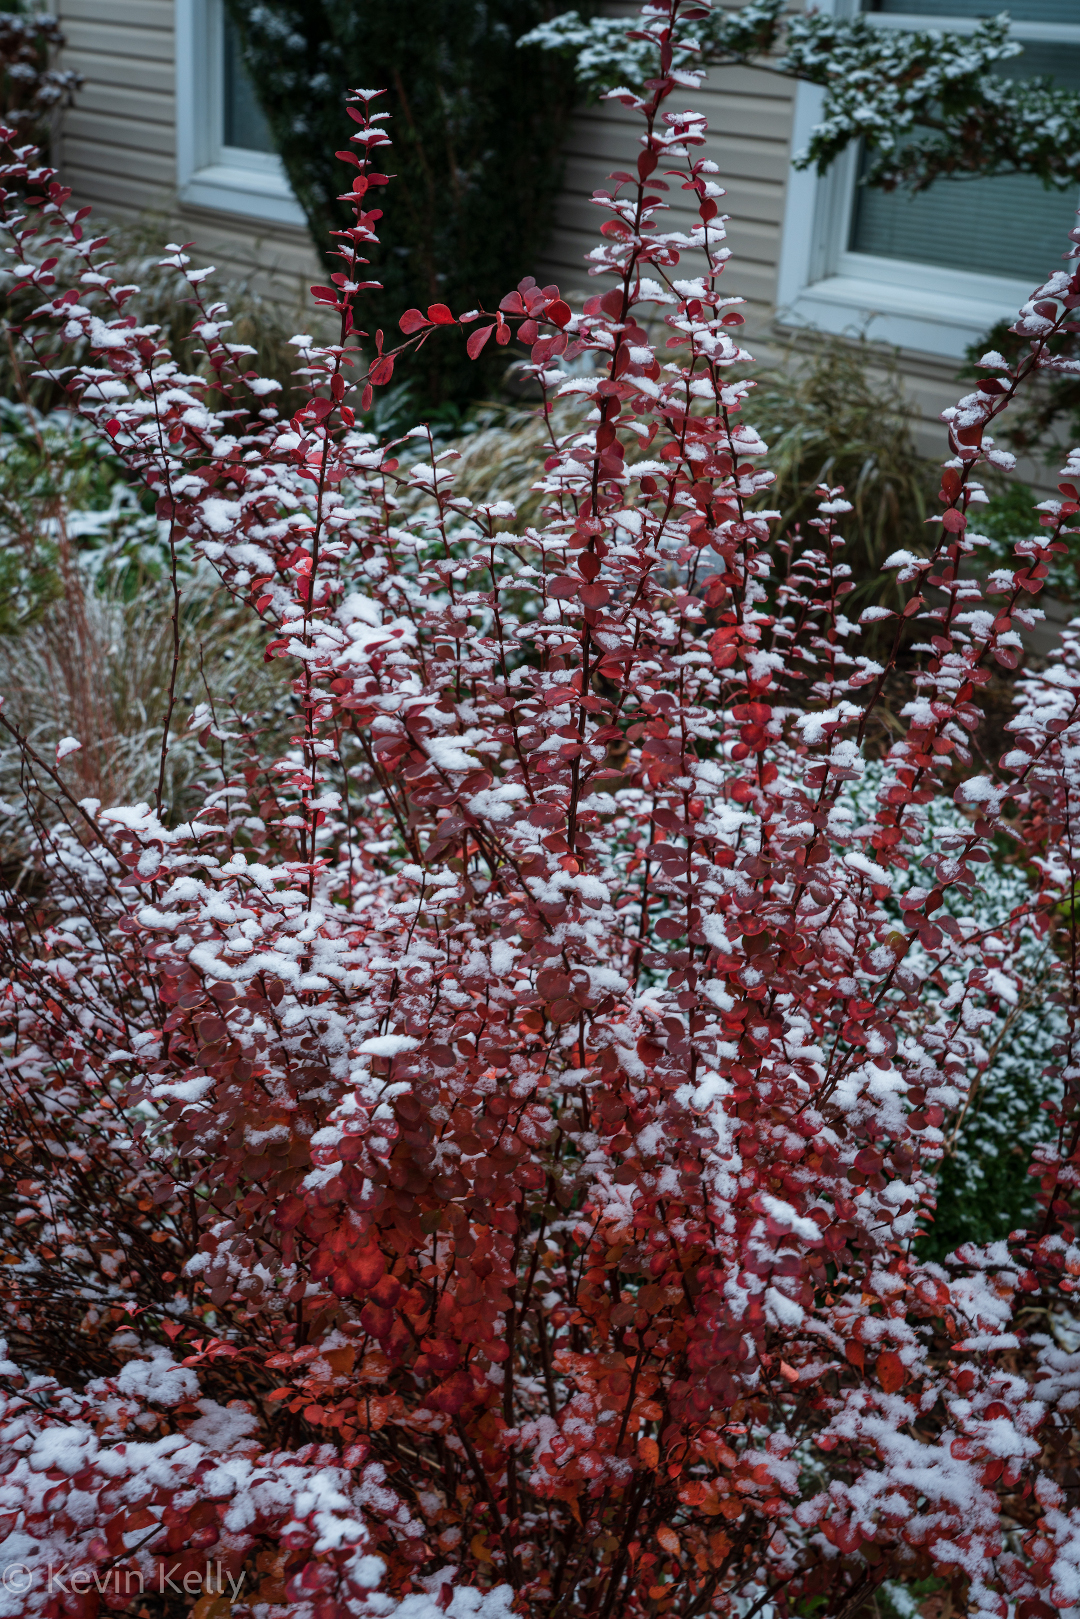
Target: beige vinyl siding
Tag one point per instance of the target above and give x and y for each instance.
(118, 151)
(749, 116)
(749, 134)
(117, 148)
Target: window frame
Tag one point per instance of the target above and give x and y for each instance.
(209, 174)
(906, 303)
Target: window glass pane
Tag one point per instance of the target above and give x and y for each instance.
(1019, 10)
(244, 123)
(1007, 226)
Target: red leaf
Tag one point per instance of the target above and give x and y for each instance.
(380, 374)
(477, 340)
(649, 1451)
(721, 648)
(291, 1210)
(366, 1266)
(440, 315)
(559, 312)
(562, 586)
(891, 1372)
(412, 321)
(451, 1395)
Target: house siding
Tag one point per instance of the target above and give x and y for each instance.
(117, 147)
(749, 136)
(749, 115)
(117, 150)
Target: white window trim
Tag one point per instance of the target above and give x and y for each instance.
(920, 307)
(210, 174)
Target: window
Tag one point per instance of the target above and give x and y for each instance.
(932, 272)
(224, 154)
(243, 124)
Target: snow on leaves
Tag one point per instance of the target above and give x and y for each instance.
(470, 1161)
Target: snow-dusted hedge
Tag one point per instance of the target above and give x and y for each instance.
(474, 1162)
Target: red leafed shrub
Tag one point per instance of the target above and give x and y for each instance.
(472, 1163)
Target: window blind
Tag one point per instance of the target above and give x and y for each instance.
(1006, 226)
(1019, 10)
